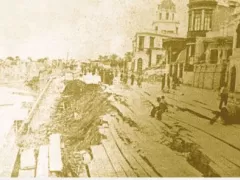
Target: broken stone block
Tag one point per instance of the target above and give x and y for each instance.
(27, 160)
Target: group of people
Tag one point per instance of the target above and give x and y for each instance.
(124, 78)
(106, 75)
(161, 107)
(174, 80)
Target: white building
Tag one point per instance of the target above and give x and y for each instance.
(230, 28)
(147, 45)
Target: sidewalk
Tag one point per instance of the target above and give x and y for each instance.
(201, 101)
(218, 146)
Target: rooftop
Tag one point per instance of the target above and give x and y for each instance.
(168, 5)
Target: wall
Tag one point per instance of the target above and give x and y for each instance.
(207, 76)
(188, 78)
(220, 14)
(235, 61)
(154, 56)
(145, 58)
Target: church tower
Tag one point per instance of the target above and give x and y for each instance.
(166, 18)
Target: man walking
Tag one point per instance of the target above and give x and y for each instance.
(168, 81)
(223, 95)
(132, 79)
(163, 81)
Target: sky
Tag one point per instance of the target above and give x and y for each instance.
(84, 28)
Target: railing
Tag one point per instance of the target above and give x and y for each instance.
(10, 148)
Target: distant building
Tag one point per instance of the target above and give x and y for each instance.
(207, 51)
(175, 56)
(232, 28)
(148, 48)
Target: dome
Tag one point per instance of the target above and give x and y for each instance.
(168, 5)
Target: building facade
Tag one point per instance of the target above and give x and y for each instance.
(232, 28)
(208, 51)
(148, 48)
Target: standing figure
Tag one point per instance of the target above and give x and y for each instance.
(162, 108)
(132, 79)
(139, 81)
(111, 78)
(223, 95)
(163, 81)
(168, 81)
(238, 36)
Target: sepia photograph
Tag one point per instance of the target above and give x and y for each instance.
(120, 88)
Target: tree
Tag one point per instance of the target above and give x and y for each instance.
(105, 58)
(10, 58)
(100, 57)
(113, 60)
(113, 57)
(128, 56)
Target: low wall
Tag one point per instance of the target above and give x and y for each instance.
(188, 78)
(208, 76)
(10, 148)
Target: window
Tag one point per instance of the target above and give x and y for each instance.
(160, 16)
(197, 20)
(156, 28)
(190, 21)
(141, 43)
(176, 30)
(207, 20)
(159, 57)
(151, 42)
(167, 16)
(214, 56)
(173, 16)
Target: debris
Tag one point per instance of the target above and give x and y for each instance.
(28, 159)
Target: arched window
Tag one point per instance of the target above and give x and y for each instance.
(167, 16)
(173, 16)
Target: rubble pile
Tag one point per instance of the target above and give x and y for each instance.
(77, 119)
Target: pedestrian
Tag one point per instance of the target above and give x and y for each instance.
(223, 95)
(132, 79)
(155, 108)
(139, 81)
(163, 81)
(111, 77)
(162, 108)
(168, 81)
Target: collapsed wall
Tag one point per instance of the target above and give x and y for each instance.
(77, 119)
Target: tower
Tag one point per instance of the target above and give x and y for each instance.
(166, 19)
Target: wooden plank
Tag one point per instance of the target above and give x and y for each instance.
(127, 168)
(26, 173)
(113, 152)
(148, 169)
(55, 154)
(28, 160)
(131, 160)
(101, 160)
(166, 162)
(42, 164)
